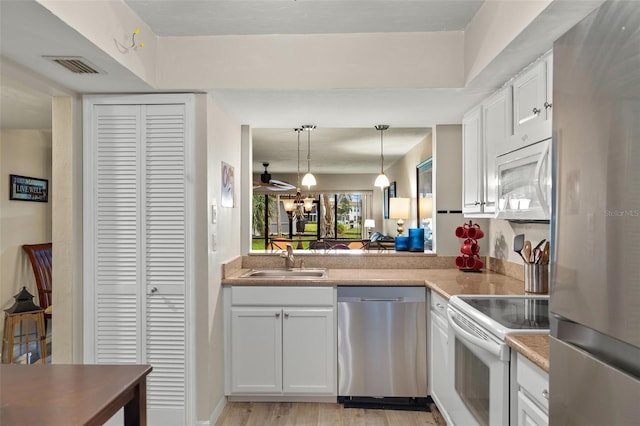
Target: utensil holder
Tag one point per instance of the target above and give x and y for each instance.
(536, 278)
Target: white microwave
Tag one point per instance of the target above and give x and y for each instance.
(524, 183)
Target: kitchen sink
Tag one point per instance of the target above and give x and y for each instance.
(297, 273)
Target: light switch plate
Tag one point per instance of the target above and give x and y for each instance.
(214, 213)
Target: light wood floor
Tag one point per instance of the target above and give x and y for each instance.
(317, 414)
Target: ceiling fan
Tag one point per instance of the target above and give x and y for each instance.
(271, 184)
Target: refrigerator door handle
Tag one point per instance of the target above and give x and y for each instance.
(612, 351)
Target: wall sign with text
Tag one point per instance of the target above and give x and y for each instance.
(24, 188)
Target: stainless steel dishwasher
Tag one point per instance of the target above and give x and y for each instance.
(382, 342)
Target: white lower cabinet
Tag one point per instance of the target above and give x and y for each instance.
(280, 341)
(256, 350)
(533, 394)
(529, 414)
(308, 351)
(440, 381)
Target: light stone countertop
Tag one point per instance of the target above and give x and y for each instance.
(446, 282)
(534, 347)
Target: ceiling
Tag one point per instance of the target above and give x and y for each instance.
(333, 150)
(28, 30)
(209, 18)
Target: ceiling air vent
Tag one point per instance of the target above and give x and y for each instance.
(75, 64)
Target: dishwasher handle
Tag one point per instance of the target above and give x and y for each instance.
(382, 299)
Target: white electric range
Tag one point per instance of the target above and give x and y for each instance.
(480, 359)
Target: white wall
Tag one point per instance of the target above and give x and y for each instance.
(403, 172)
(411, 60)
(67, 293)
(223, 137)
(447, 164)
(27, 153)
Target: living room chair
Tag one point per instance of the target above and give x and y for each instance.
(41, 262)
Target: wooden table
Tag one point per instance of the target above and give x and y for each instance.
(72, 394)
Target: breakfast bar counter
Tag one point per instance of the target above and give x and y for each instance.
(446, 282)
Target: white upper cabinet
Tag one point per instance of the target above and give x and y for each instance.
(497, 128)
(486, 129)
(532, 105)
(514, 117)
(472, 187)
(530, 96)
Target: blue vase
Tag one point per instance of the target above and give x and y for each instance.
(416, 239)
(402, 243)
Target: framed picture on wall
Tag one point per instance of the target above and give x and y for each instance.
(227, 199)
(25, 188)
(424, 172)
(385, 202)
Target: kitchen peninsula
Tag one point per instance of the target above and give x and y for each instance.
(435, 273)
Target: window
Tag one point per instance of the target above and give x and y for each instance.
(337, 215)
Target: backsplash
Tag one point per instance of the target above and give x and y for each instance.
(499, 244)
(367, 261)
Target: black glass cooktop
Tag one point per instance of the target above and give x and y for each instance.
(514, 313)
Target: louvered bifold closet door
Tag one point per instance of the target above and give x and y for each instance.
(116, 132)
(165, 259)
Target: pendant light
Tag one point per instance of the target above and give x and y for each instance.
(307, 202)
(309, 180)
(298, 130)
(382, 181)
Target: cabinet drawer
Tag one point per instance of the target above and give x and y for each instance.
(282, 296)
(438, 304)
(529, 414)
(533, 381)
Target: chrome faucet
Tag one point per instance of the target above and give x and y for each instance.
(289, 260)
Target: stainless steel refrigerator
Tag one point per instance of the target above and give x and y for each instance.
(595, 289)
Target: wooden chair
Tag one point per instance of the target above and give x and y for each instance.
(40, 258)
(277, 244)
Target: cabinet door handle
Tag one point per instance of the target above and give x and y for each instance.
(545, 394)
(536, 111)
(440, 306)
(547, 105)
(286, 315)
(277, 314)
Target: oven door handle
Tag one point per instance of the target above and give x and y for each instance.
(494, 348)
